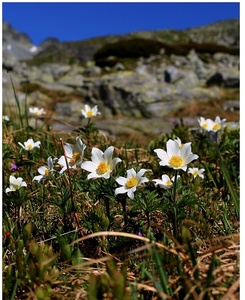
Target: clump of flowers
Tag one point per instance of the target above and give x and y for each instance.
(15, 184)
(89, 112)
(74, 155)
(44, 171)
(30, 145)
(131, 182)
(101, 164)
(211, 125)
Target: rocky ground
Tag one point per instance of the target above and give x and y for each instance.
(138, 97)
(142, 131)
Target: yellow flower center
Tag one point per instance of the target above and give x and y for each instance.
(176, 161)
(195, 173)
(90, 113)
(205, 125)
(75, 157)
(29, 147)
(46, 172)
(168, 182)
(216, 127)
(181, 145)
(131, 182)
(16, 186)
(103, 167)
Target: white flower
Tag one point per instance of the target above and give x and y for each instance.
(45, 170)
(196, 172)
(130, 182)
(101, 164)
(165, 183)
(176, 157)
(74, 155)
(30, 144)
(5, 118)
(89, 112)
(15, 184)
(37, 112)
(217, 124)
(205, 123)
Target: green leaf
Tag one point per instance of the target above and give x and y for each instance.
(64, 248)
(76, 256)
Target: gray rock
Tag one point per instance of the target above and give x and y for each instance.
(172, 74)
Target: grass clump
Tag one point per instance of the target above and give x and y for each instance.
(84, 218)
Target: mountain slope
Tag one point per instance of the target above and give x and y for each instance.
(225, 33)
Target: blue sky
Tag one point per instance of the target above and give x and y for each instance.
(82, 20)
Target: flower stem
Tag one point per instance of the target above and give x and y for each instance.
(175, 209)
(74, 212)
(123, 201)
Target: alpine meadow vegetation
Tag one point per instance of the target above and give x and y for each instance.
(85, 218)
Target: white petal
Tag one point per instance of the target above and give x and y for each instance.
(97, 156)
(165, 178)
(50, 163)
(121, 180)
(106, 175)
(162, 155)
(131, 173)
(21, 145)
(87, 108)
(19, 180)
(41, 170)
(80, 146)
(185, 151)
(63, 169)
(158, 181)
(38, 178)
(108, 153)
(172, 148)
(143, 180)
(89, 166)
(23, 183)
(62, 161)
(114, 162)
(12, 179)
(130, 193)
(217, 120)
(30, 141)
(182, 168)
(120, 190)
(140, 173)
(191, 158)
(93, 175)
(68, 150)
(37, 144)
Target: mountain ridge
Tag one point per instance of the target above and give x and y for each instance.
(225, 33)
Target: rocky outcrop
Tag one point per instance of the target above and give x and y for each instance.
(150, 87)
(149, 90)
(16, 46)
